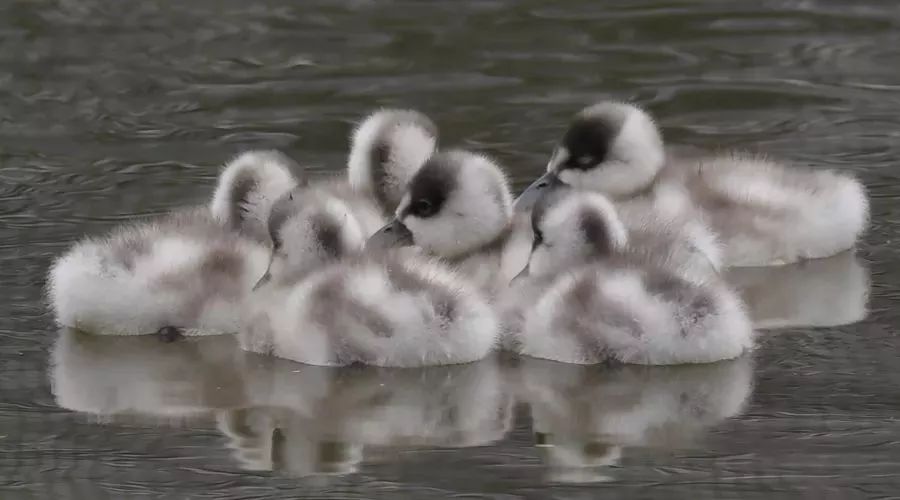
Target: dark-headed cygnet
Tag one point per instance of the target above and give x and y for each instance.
(763, 212)
(386, 149)
(382, 307)
(585, 298)
(181, 273)
(458, 207)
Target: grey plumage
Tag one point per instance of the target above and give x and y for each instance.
(588, 298)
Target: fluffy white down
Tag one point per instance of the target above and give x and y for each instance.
(394, 312)
(474, 214)
(301, 251)
(270, 175)
(634, 158)
(670, 229)
(473, 227)
(364, 208)
(763, 212)
(409, 145)
(777, 214)
(568, 248)
(150, 275)
(597, 314)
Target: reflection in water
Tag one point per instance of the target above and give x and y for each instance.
(299, 420)
(348, 409)
(141, 376)
(276, 414)
(113, 109)
(585, 417)
(814, 293)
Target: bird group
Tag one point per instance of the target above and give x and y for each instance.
(419, 255)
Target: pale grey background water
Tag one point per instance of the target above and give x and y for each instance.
(113, 109)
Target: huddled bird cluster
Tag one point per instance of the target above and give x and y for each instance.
(418, 255)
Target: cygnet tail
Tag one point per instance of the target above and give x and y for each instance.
(86, 292)
(90, 291)
(837, 216)
(729, 329)
(386, 150)
(708, 323)
(793, 213)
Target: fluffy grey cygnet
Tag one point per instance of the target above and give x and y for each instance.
(763, 212)
(587, 298)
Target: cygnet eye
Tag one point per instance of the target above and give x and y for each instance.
(421, 208)
(581, 162)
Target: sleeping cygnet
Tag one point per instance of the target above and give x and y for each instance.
(458, 207)
(764, 212)
(585, 298)
(181, 273)
(384, 308)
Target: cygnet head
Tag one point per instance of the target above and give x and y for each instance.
(386, 150)
(612, 147)
(309, 229)
(572, 228)
(248, 186)
(456, 203)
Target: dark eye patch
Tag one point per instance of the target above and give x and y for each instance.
(421, 208)
(587, 141)
(430, 187)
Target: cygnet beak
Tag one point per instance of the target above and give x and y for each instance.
(530, 196)
(394, 234)
(522, 274)
(266, 277)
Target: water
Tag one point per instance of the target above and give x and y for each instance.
(110, 110)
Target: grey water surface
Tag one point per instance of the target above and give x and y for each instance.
(111, 110)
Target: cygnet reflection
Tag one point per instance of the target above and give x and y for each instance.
(586, 417)
(140, 377)
(812, 293)
(276, 414)
(305, 420)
